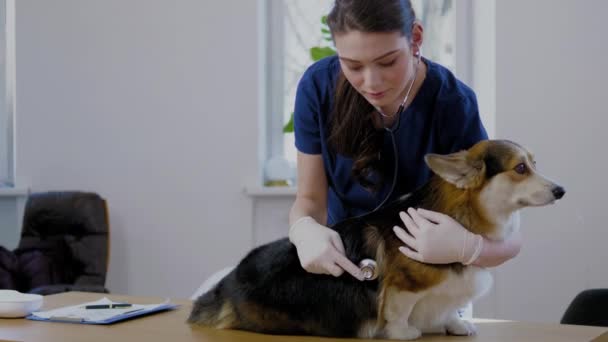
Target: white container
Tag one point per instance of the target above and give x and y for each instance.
(16, 304)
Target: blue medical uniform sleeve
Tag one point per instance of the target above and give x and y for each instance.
(307, 116)
(461, 126)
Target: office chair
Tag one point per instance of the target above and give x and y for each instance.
(590, 307)
(64, 243)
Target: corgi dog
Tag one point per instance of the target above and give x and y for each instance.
(483, 188)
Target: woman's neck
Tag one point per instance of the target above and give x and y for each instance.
(390, 110)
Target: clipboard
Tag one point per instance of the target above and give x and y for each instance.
(81, 315)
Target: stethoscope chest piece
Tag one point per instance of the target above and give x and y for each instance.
(369, 269)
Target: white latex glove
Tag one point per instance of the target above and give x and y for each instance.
(437, 238)
(320, 249)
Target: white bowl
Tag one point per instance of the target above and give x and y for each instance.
(16, 304)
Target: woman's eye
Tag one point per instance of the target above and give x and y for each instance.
(520, 168)
(355, 68)
(388, 64)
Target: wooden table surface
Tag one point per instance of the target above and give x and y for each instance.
(170, 326)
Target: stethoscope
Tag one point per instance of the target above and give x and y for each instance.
(368, 267)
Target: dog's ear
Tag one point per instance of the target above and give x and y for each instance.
(461, 169)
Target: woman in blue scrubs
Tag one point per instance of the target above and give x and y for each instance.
(378, 107)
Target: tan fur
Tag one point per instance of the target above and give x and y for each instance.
(404, 274)
(374, 245)
(451, 199)
(226, 318)
(397, 270)
(259, 316)
(461, 169)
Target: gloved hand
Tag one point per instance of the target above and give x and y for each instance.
(437, 238)
(320, 249)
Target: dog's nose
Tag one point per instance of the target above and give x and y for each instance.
(558, 192)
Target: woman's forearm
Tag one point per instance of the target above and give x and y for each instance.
(304, 206)
(495, 253)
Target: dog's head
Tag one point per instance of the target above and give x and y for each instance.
(501, 171)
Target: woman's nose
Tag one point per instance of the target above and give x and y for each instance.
(372, 80)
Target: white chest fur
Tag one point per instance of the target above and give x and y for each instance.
(439, 304)
(506, 227)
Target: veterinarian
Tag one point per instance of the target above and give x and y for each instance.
(364, 120)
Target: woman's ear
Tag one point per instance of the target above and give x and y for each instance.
(417, 36)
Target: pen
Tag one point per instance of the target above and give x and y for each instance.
(66, 319)
(108, 306)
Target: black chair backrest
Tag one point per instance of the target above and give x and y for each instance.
(589, 307)
(64, 240)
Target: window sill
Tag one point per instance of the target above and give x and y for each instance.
(270, 191)
(14, 192)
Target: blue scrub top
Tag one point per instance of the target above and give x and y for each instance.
(443, 118)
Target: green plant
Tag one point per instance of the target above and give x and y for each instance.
(316, 53)
(288, 128)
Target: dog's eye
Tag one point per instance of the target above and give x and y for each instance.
(520, 168)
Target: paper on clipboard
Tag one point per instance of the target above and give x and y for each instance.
(79, 314)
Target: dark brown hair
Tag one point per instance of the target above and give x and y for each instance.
(352, 132)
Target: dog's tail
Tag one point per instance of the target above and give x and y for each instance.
(212, 309)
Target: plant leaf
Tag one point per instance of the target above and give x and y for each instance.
(317, 52)
(288, 128)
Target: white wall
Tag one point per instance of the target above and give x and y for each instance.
(153, 104)
(551, 97)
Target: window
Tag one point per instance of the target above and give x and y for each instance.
(293, 27)
(7, 93)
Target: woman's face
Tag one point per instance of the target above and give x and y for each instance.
(378, 65)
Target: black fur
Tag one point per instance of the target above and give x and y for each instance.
(496, 157)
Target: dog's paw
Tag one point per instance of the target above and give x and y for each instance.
(460, 327)
(402, 332)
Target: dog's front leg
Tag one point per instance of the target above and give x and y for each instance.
(457, 326)
(396, 309)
